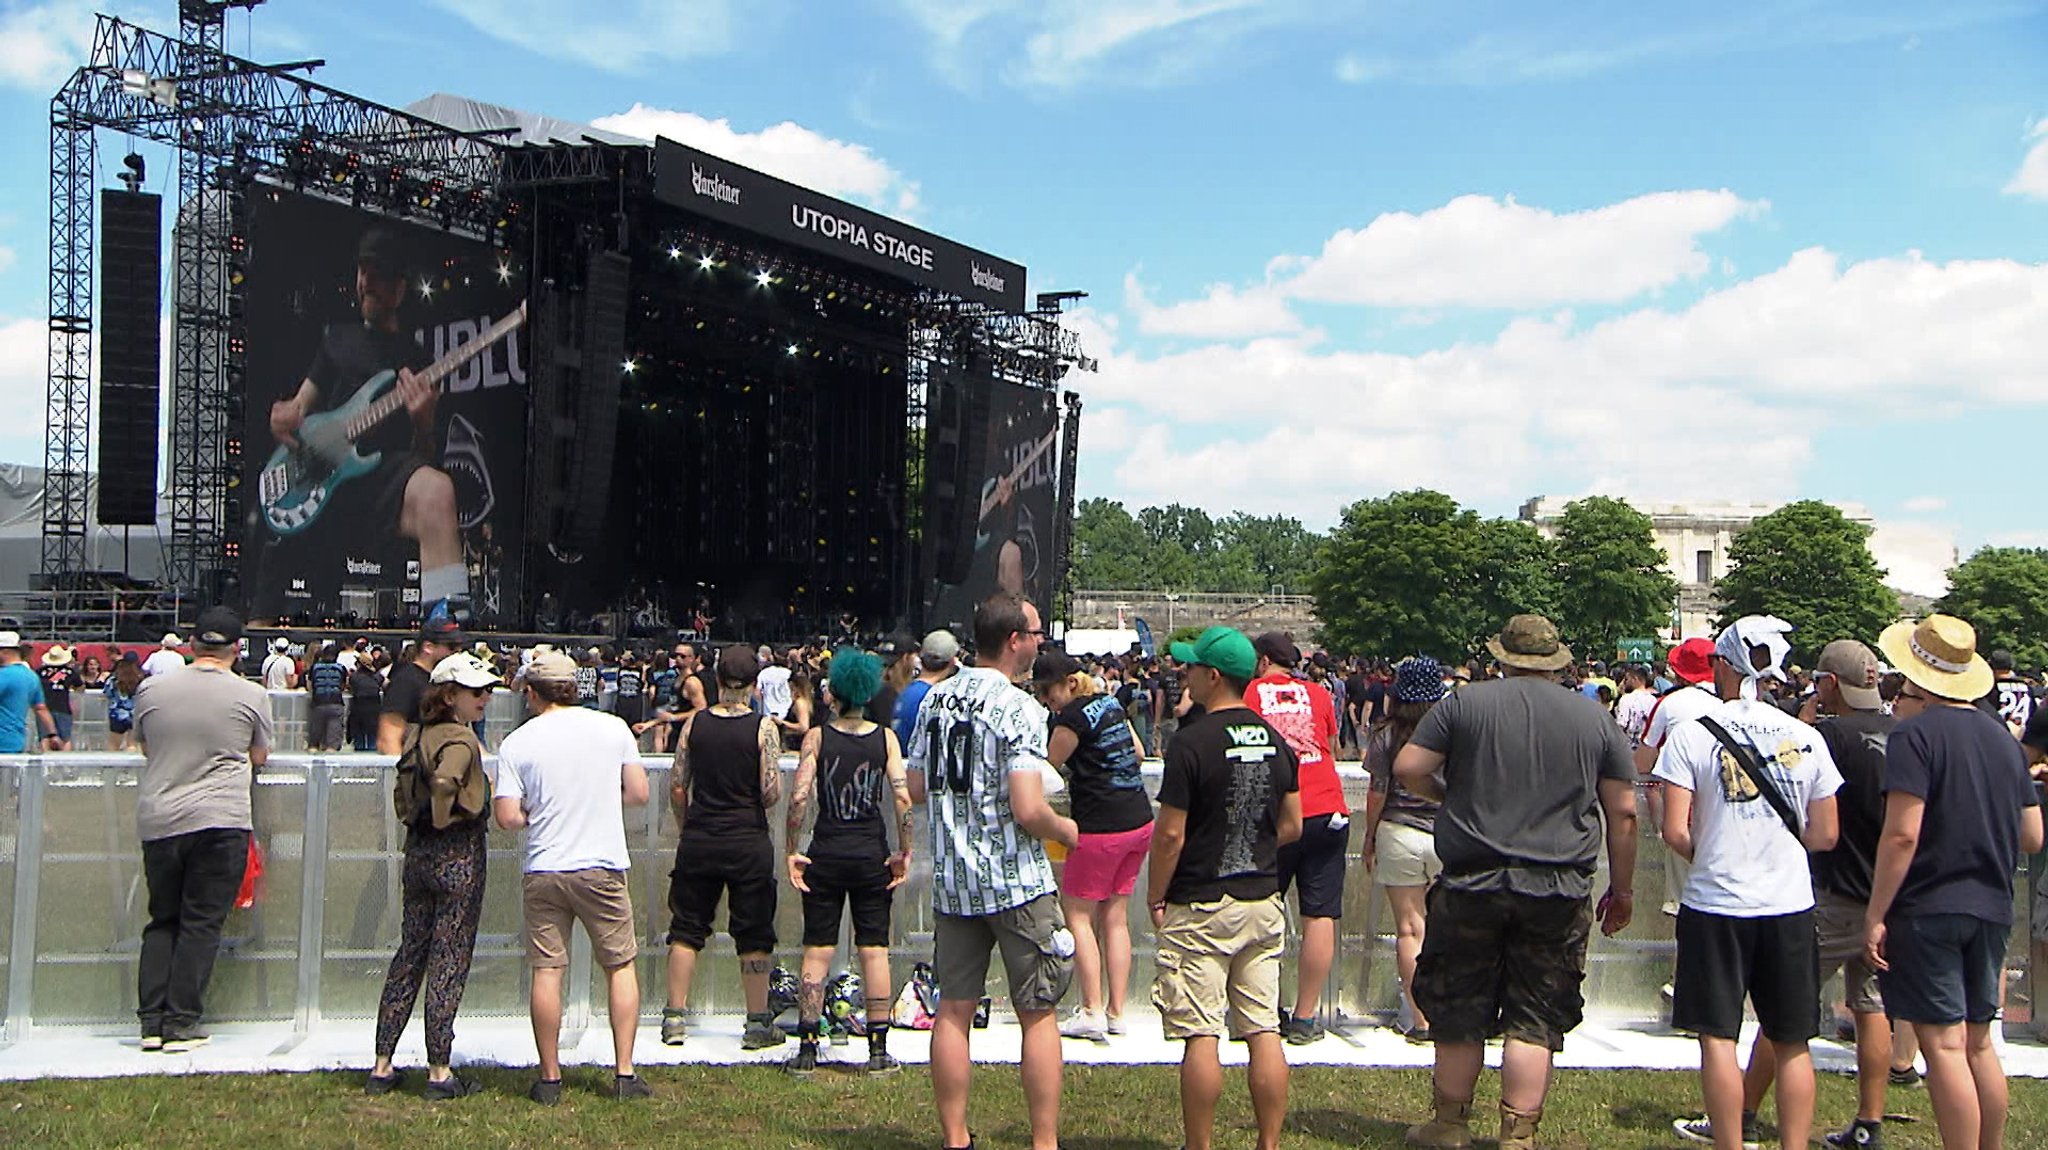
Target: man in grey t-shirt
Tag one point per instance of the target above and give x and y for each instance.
(1529, 770)
(203, 730)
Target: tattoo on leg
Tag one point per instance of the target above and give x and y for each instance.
(810, 1002)
(756, 965)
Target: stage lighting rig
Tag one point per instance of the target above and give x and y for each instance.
(132, 176)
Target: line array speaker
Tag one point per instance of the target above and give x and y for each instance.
(131, 351)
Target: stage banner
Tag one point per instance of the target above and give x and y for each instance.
(365, 498)
(722, 190)
(1007, 524)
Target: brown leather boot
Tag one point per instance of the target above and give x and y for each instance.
(1518, 1128)
(1451, 1129)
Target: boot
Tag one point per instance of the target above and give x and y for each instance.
(1518, 1128)
(1451, 1129)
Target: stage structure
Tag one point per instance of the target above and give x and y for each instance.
(669, 388)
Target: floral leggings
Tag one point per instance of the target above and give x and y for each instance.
(444, 901)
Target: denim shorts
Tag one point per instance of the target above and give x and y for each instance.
(1945, 968)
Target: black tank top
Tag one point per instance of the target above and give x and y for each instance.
(725, 776)
(853, 791)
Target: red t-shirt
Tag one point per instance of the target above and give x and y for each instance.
(1306, 717)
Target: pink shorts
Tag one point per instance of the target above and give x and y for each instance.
(1106, 866)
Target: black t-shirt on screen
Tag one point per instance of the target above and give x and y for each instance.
(1229, 771)
(350, 354)
(409, 683)
(1106, 782)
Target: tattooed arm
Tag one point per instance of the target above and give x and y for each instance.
(771, 763)
(799, 805)
(899, 788)
(679, 780)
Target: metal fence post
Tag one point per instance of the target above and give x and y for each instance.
(28, 879)
(313, 895)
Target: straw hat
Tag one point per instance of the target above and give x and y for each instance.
(1938, 655)
(57, 656)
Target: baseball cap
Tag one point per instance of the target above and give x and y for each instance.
(1224, 648)
(738, 666)
(547, 667)
(444, 631)
(464, 670)
(171, 639)
(940, 646)
(1854, 667)
(217, 627)
(1279, 647)
(280, 644)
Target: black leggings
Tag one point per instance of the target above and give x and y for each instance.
(444, 901)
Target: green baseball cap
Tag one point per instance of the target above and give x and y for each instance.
(1224, 648)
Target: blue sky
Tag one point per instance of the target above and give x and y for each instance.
(1336, 248)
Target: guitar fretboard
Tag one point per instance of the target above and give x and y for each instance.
(433, 374)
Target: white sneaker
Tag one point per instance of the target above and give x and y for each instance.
(1114, 1024)
(1084, 1024)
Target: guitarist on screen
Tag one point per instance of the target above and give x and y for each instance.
(408, 494)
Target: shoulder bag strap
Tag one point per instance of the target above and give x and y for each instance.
(1747, 758)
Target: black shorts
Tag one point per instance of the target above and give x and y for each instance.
(1944, 968)
(1774, 961)
(835, 884)
(740, 869)
(1497, 964)
(388, 483)
(1315, 862)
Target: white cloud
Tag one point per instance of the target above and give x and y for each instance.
(2031, 180)
(788, 150)
(1743, 381)
(1916, 557)
(42, 44)
(1057, 44)
(618, 36)
(1477, 251)
(1925, 505)
(1224, 313)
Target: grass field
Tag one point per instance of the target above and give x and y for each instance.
(1107, 1108)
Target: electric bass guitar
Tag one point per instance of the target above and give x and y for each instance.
(992, 489)
(298, 481)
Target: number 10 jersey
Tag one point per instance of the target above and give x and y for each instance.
(972, 731)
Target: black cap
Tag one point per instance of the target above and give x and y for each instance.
(1279, 648)
(1052, 665)
(218, 627)
(443, 630)
(738, 666)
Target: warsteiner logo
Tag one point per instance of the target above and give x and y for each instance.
(713, 185)
(984, 279)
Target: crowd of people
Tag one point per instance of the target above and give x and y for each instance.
(1868, 815)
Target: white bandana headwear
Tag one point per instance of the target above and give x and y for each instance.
(1751, 631)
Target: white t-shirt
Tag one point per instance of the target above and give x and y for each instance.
(775, 696)
(973, 731)
(1678, 708)
(160, 660)
(277, 672)
(1632, 714)
(347, 658)
(1745, 863)
(565, 768)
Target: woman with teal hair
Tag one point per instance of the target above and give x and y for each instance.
(851, 770)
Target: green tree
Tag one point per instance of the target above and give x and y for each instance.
(1612, 582)
(2003, 593)
(1809, 565)
(1414, 572)
(1278, 550)
(1110, 551)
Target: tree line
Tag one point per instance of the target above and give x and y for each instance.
(1414, 571)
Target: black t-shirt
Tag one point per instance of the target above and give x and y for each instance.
(725, 776)
(2036, 733)
(1856, 740)
(882, 708)
(1354, 693)
(2013, 701)
(350, 354)
(366, 683)
(667, 683)
(1229, 772)
(587, 686)
(1973, 777)
(853, 792)
(1106, 782)
(1373, 699)
(58, 683)
(630, 700)
(1169, 691)
(325, 682)
(409, 683)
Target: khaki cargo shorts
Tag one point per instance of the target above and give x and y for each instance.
(1219, 968)
(1037, 948)
(597, 898)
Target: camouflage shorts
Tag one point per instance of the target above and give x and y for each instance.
(1496, 964)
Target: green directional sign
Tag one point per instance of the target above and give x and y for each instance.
(1636, 650)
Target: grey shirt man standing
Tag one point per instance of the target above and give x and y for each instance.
(203, 731)
(1530, 770)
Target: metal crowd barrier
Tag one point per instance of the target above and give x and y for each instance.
(316, 942)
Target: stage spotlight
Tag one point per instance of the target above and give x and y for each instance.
(675, 253)
(791, 349)
(705, 263)
(504, 273)
(763, 279)
(629, 367)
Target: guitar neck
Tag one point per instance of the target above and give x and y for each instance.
(1024, 465)
(391, 401)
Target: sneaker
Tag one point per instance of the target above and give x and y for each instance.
(1905, 1076)
(152, 1042)
(881, 1064)
(981, 1011)
(805, 1063)
(1301, 1031)
(1701, 1130)
(546, 1091)
(383, 1083)
(630, 1086)
(761, 1034)
(1114, 1023)
(675, 1027)
(452, 1087)
(1858, 1135)
(1418, 1036)
(1084, 1024)
(181, 1041)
